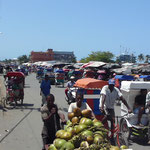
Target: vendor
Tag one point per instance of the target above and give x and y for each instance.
(52, 118)
(80, 104)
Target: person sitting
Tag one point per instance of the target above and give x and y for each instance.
(89, 74)
(70, 84)
(139, 105)
(52, 119)
(80, 104)
(9, 82)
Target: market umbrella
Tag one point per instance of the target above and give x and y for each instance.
(90, 83)
(101, 71)
(96, 64)
(86, 65)
(69, 67)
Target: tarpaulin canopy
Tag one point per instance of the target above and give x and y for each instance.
(124, 77)
(86, 65)
(59, 71)
(134, 85)
(15, 74)
(101, 71)
(145, 76)
(90, 83)
(96, 64)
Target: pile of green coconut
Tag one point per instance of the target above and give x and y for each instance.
(82, 133)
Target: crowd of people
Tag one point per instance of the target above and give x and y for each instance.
(108, 96)
(54, 119)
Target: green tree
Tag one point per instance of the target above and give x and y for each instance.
(147, 58)
(74, 59)
(23, 59)
(99, 56)
(118, 60)
(141, 57)
(7, 61)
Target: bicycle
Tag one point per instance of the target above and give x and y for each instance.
(116, 136)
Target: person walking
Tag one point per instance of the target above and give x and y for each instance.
(45, 88)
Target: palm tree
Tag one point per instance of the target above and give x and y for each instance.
(147, 58)
(141, 57)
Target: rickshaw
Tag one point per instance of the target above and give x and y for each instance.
(50, 73)
(118, 81)
(59, 77)
(91, 89)
(145, 77)
(128, 122)
(39, 74)
(14, 88)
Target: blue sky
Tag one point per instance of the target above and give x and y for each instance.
(81, 26)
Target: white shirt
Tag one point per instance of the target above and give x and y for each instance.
(70, 84)
(84, 105)
(110, 96)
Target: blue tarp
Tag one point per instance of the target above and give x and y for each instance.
(49, 70)
(59, 71)
(124, 77)
(145, 76)
(77, 72)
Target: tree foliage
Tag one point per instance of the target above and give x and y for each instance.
(23, 59)
(74, 59)
(98, 56)
(7, 61)
(147, 58)
(141, 57)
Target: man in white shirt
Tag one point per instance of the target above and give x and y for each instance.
(80, 104)
(109, 94)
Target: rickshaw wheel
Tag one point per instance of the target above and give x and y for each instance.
(62, 84)
(3, 101)
(121, 140)
(55, 84)
(8, 104)
(6, 101)
(21, 101)
(124, 129)
(15, 100)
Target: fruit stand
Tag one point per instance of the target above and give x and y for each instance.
(83, 132)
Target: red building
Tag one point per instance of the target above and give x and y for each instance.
(42, 56)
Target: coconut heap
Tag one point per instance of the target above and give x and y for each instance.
(82, 133)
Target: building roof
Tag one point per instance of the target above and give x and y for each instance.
(62, 52)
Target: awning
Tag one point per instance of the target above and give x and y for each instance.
(90, 83)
